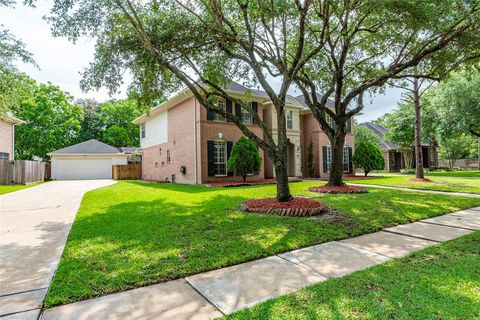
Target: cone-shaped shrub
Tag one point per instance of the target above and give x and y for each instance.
(368, 157)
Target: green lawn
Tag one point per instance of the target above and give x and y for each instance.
(440, 282)
(133, 234)
(12, 188)
(458, 174)
(450, 184)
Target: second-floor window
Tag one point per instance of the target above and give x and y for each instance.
(289, 119)
(168, 156)
(142, 130)
(246, 116)
(329, 121)
(221, 103)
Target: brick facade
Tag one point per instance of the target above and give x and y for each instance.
(189, 132)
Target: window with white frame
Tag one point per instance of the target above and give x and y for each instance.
(142, 129)
(220, 157)
(289, 119)
(329, 158)
(346, 159)
(246, 116)
(329, 120)
(4, 155)
(221, 103)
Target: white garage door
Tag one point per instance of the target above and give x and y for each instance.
(78, 169)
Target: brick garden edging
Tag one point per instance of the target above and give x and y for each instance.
(345, 189)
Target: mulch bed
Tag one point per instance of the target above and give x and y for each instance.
(420, 180)
(345, 189)
(297, 207)
(361, 177)
(229, 184)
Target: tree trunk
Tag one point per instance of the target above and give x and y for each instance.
(244, 176)
(366, 172)
(418, 131)
(336, 168)
(280, 161)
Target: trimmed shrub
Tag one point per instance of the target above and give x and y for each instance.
(368, 157)
(244, 158)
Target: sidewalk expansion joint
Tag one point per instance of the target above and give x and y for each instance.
(412, 236)
(204, 297)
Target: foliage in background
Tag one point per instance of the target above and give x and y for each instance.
(244, 158)
(52, 122)
(368, 157)
(457, 100)
(462, 146)
(310, 162)
(117, 136)
(364, 134)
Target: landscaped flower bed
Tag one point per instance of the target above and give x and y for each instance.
(229, 184)
(338, 189)
(298, 207)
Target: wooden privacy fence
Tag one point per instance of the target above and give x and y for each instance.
(127, 171)
(23, 171)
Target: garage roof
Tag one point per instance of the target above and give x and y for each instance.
(89, 147)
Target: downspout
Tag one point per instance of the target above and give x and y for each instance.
(13, 143)
(195, 139)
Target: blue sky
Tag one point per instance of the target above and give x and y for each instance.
(61, 61)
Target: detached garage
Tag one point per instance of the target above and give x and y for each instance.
(91, 159)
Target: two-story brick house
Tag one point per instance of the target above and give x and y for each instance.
(182, 141)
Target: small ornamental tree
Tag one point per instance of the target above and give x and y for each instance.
(244, 158)
(310, 165)
(368, 157)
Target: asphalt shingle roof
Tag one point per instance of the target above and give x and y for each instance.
(380, 131)
(89, 146)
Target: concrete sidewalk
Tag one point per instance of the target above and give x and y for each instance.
(447, 193)
(34, 224)
(212, 294)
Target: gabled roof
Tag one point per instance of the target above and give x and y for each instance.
(128, 150)
(301, 100)
(88, 147)
(380, 131)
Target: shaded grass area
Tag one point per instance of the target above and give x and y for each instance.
(133, 234)
(12, 188)
(440, 282)
(449, 184)
(439, 173)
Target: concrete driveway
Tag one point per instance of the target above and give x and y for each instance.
(34, 225)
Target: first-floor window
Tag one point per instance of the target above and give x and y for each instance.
(329, 158)
(220, 158)
(4, 155)
(346, 159)
(168, 156)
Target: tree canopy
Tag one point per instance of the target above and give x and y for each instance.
(368, 157)
(52, 122)
(364, 134)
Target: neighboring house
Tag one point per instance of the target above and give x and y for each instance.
(393, 158)
(90, 159)
(7, 136)
(181, 141)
